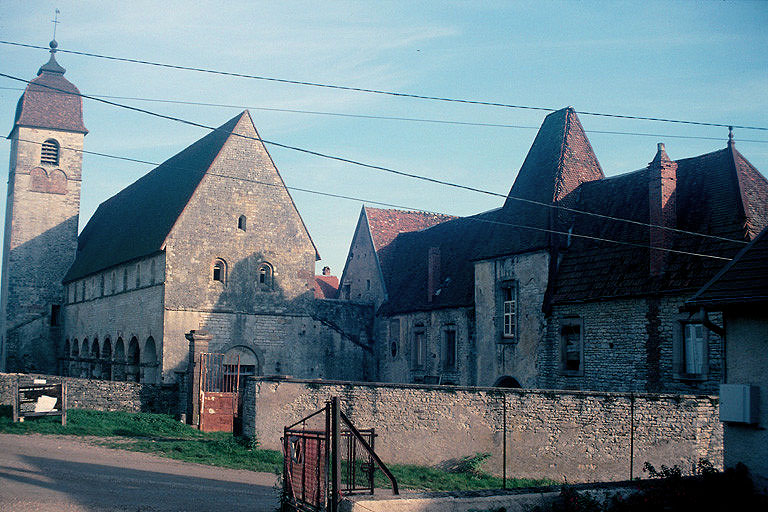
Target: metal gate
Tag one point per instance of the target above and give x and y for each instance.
(219, 388)
(326, 458)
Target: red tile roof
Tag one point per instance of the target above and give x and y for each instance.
(386, 224)
(744, 280)
(326, 287)
(51, 101)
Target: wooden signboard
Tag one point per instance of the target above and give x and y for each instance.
(41, 399)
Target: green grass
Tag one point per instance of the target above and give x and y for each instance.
(161, 435)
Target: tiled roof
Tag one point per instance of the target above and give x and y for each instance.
(743, 280)
(326, 287)
(385, 224)
(559, 160)
(136, 221)
(710, 192)
(51, 101)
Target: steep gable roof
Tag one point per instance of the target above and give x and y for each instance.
(50, 101)
(744, 280)
(326, 287)
(710, 191)
(136, 221)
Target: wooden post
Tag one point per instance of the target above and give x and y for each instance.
(198, 343)
(63, 402)
(335, 458)
(16, 401)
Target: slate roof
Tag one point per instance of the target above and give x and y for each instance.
(136, 221)
(326, 287)
(718, 193)
(50, 101)
(744, 280)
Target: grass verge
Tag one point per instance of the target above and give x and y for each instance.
(161, 435)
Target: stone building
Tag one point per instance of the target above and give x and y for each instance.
(533, 294)
(208, 241)
(739, 292)
(41, 218)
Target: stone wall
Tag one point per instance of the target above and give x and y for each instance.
(102, 395)
(514, 357)
(562, 435)
(628, 345)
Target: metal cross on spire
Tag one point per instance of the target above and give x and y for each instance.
(55, 22)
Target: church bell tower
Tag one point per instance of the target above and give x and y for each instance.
(42, 209)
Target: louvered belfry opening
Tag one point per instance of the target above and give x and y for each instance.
(50, 153)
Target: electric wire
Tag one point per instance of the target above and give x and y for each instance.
(378, 167)
(378, 91)
(395, 118)
(474, 218)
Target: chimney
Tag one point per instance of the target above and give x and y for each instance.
(662, 182)
(326, 271)
(433, 272)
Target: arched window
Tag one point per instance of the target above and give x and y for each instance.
(50, 152)
(149, 366)
(266, 276)
(106, 357)
(119, 367)
(241, 223)
(220, 270)
(133, 360)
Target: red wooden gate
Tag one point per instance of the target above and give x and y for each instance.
(219, 388)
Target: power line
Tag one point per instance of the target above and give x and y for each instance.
(378, 91)
(395, 118)
(378, 167)
(398, 206)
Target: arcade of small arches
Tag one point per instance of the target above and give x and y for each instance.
(109, 359)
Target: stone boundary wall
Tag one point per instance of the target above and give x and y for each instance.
(102, 395)
(562, 435)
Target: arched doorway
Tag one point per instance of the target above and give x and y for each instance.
(106, 359)
(133, 359)
(85, 366)
(119, 362)
(65, 358)
(149, 365)
(506, 382)
(95, 359)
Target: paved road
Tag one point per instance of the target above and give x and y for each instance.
(61, 473)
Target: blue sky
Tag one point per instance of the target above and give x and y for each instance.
(703, 61)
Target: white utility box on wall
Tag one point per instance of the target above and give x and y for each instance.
(739, 403)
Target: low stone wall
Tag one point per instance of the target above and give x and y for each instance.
(102, 395)
(561, 435)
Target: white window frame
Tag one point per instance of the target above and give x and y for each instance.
(509, 311)
(694, 349)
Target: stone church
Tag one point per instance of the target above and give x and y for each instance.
(209, 241)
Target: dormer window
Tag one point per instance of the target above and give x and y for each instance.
(241, 223)
(220, 271)
(50, 153)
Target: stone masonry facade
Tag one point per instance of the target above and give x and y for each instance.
(563, 435)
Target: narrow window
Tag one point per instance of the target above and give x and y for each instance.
(82, 290)
(220, 271)
(266, 275)
(125, 278)
(449, 348)
(419, 346)
(367, 284)
(394, 336)
(50, 153)
(694, 348)
(241, 223)
(152, 272)
(113, 283)
(138, 275)
(571, 347)
(102, 285)
(509, 310)
(347, 291)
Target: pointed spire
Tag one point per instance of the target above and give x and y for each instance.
(52, 66)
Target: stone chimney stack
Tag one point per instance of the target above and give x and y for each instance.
(662, 182)
(433, 272)
(326, 271)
